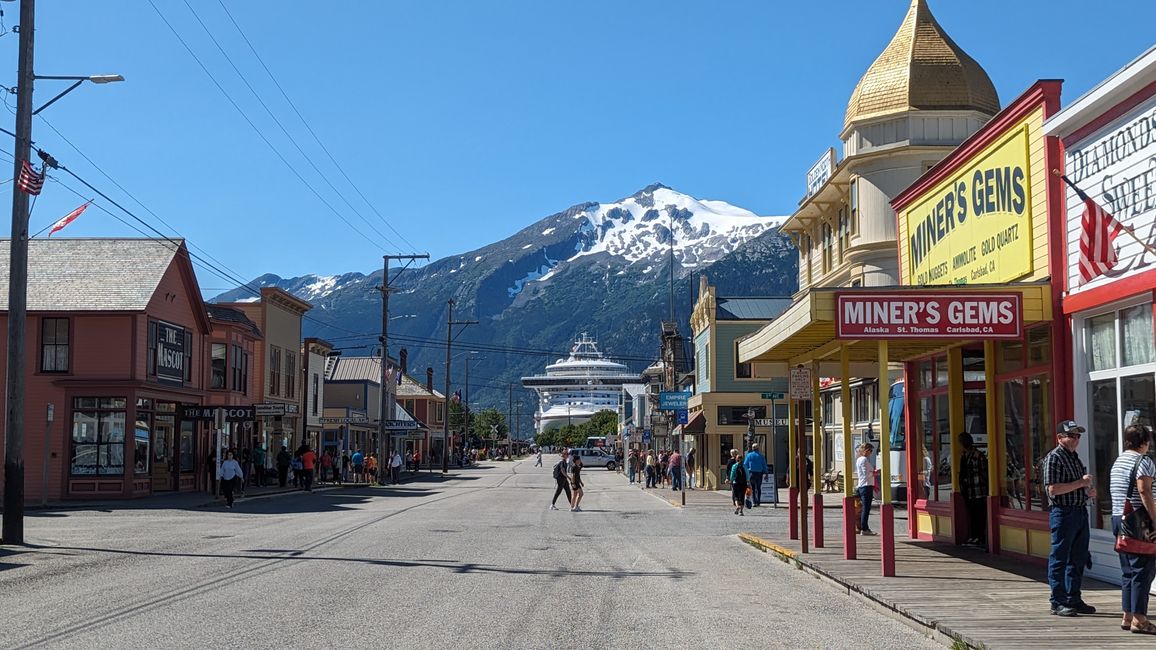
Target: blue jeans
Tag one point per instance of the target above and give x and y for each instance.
(866, 495)
(633, 474)
(756, 483)
(1138, 571)
(1069, 557)
(649, 476)
(676, 478)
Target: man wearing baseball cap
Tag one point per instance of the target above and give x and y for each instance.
(1068, 485)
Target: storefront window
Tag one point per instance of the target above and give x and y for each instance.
(940, 371)
(1042, 434)
(1136, 331)
(98, 436)
(1011, 356)
(1104, 444)
(925, 376)
(188, 445)
(1039, 345)
(141, 437)
(219, 352)
(1102, 342)
(1015, 472)
(973, 366)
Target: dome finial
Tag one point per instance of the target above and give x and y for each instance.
(923, 69)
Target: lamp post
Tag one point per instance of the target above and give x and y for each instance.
(12, 529)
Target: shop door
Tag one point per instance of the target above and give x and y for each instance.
(165, 475)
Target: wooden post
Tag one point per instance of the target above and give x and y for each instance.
(955, 427)
(886, 516)
(850, 524)
(792, 461)
(817, 435)
(993, 445)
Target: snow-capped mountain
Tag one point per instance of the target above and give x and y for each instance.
(602, 268)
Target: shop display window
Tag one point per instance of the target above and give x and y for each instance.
(932, 420)
(1028, 422)
(1015, 470)
(98, 436)
(1120, 359)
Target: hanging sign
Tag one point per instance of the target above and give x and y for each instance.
(918, 315)
(800, 383)
(673, 400)
(170, 353)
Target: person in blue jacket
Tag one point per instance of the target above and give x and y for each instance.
(756, 466)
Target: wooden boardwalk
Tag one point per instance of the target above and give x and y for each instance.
(966, 594)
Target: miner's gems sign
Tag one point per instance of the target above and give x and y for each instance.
(974, 227)
(922, 315)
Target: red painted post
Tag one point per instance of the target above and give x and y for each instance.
(793, 505)
(818, 536)
(887, 538)
(849, 524)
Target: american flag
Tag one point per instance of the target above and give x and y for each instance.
(30, 180)
(1098, 231)
(67, 219)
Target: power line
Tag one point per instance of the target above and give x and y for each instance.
(309, 128)
(276, 121)
(261, 135)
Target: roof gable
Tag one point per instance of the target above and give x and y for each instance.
(91, 274)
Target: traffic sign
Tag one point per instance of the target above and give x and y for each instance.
(646, 435)
(774, 396)
(801, 383)
(683, 416)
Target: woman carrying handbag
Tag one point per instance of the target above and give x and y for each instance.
(1133, 511)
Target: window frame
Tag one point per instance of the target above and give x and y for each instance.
(67, 345)
(274, 371)
(101, 409)
(224, 367)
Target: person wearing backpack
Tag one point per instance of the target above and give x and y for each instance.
(738, 483)
(562, 483)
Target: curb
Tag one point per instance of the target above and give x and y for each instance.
(920, 623)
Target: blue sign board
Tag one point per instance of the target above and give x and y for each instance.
(683, 417)
(673, 400)
(646, 435)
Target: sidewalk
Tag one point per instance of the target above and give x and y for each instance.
(959, 594)
(963, 594)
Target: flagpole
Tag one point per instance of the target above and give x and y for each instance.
(1128, 229)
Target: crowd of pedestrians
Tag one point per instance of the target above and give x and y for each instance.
(660, 469)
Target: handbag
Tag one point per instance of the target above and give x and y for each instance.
(748, 502)
(1136, 527)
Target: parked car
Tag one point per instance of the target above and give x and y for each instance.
(595, 458)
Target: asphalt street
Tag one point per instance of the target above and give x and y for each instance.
(477, 561)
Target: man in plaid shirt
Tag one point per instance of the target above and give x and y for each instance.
(973, 484)
(1068, 485)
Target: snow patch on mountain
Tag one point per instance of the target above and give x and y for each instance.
(642, 226)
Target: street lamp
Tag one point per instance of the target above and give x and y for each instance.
(96, 79)
(12, 531)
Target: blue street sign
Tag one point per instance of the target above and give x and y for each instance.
(673, 400)
(646, 435)
(774, 396)
(683, 417)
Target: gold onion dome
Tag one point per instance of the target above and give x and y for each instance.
(922, 69)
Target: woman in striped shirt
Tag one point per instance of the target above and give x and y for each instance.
(1138, 570)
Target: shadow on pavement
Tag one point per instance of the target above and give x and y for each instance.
(449, 565)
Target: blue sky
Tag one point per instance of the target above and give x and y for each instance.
(464, 121)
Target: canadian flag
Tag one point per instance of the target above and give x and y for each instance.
(68, 218)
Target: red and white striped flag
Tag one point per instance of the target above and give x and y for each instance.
(67, 219)
(30, 181)
(1098, 231)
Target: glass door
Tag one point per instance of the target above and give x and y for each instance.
(165, 452)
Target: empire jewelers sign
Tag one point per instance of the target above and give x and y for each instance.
(974, 226)
(919, 315)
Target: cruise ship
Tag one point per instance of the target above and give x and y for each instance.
(575, 388)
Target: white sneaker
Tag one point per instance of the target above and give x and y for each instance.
(553, 507)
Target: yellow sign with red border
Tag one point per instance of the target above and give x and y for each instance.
(974, 227)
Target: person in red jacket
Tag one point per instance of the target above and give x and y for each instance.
(308, 462)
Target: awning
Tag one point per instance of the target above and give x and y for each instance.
(696, 425)
(805, 333)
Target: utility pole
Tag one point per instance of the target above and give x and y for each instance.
(13, 523)
(450, 322)
(509, 422)
(388, 400)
